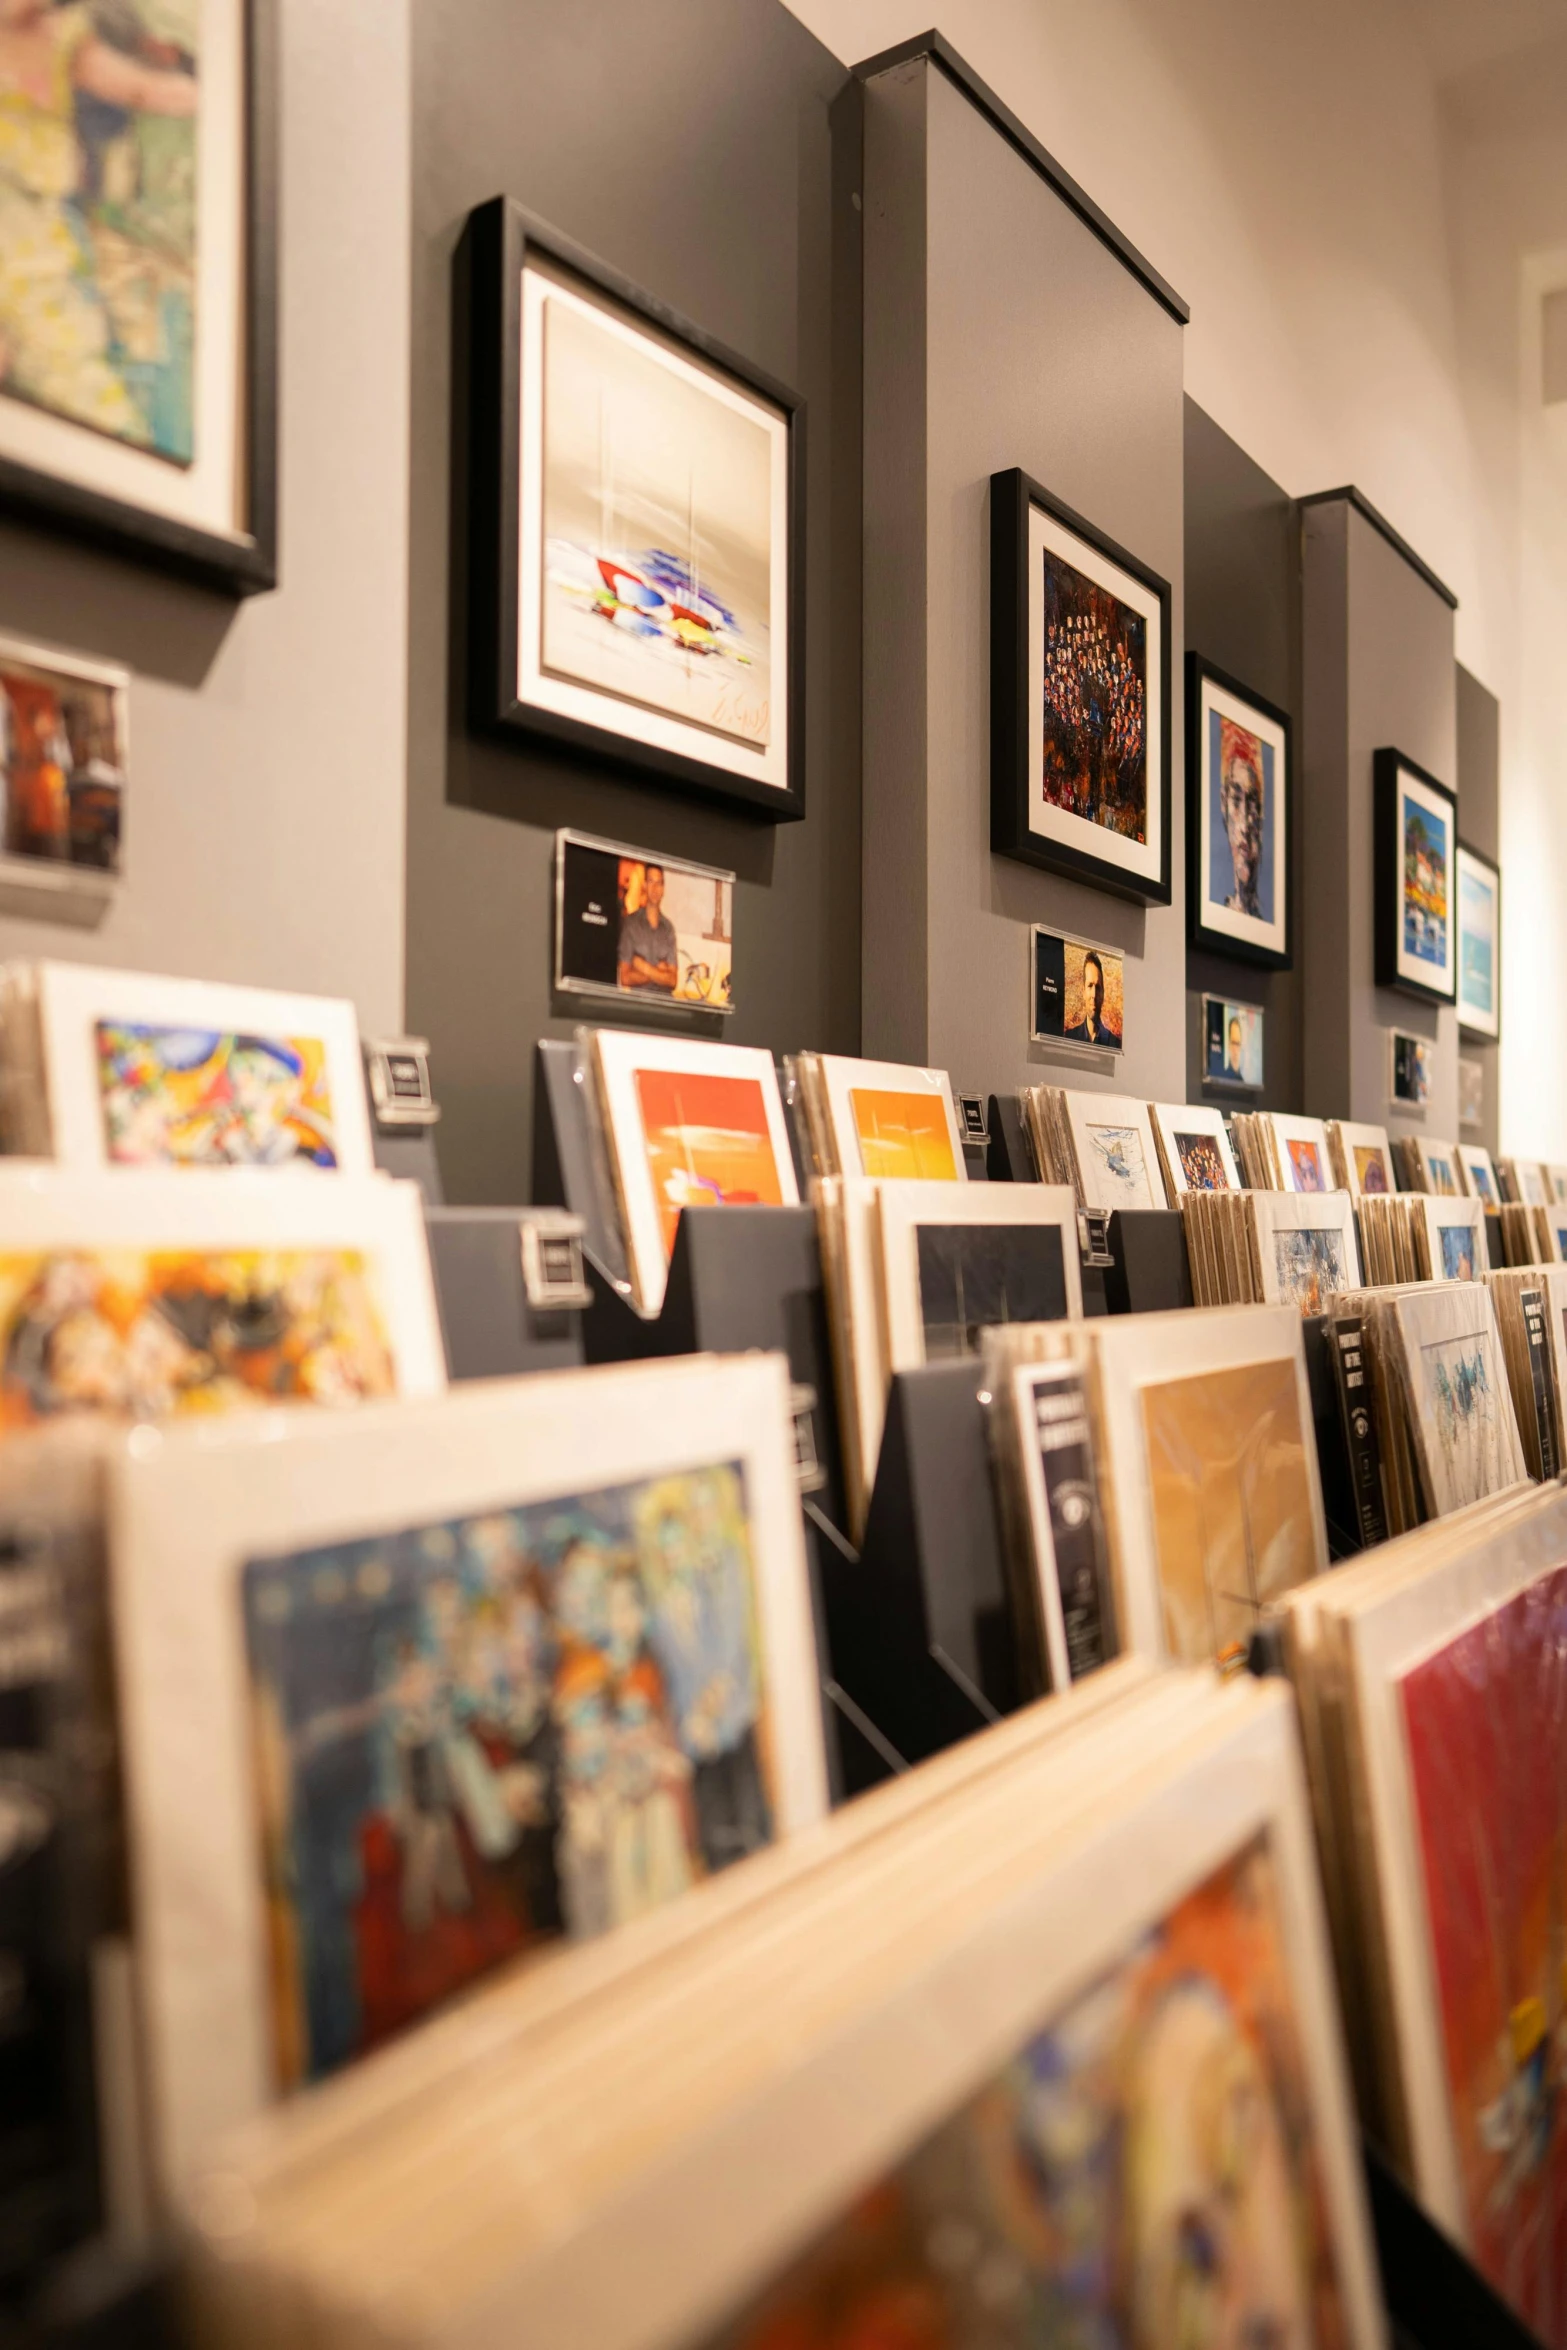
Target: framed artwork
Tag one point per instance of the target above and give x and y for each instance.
(138, 271)
(1079, 697)
(1411, 1069)
(135, 1070)
(411, 1649)
(1416, 834)
(647, 929)
(167, 1297)
(1078, 993)
(689, 1124)
(1479, 943)
(1238, 814)
(638, 527)
(890, 1121)
(64, 758)
(1232, 1037)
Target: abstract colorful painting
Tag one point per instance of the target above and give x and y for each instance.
(1426, 904)
(708, 1143)
(98, 217)
(1307, 1172)
(1142, 2175)
(658, 519)
(903, 1134)
(1463, 1391)
(1371, 1169)
(1485, 1720)
(1310, 1268)
(1234, 1523)
(145, 1334)
(62, 757)
(475, 1736)
(1095, 673)
(193, 1097)
(1201, 1163)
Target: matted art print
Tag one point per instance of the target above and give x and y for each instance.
(647, 928)
(1195, 1148)
(1461, 1409)
(1307, 1248)
(1080, 697)
(1097, 2176)
(640, 581)
(64, 753)
(137, 305)
(1232, 1036)
(1416, 839)
(1238, 815)
(959, 1259)
(1479, 1174)
(485, 1732)
(1079, 993)
(891, 1120)
(1479, 943)
(1117, 1156)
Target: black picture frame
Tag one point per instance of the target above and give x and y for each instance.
(1387, 764)
(242, 563)
(1466, 1028)
(498, 238)
(1012, 495)
(1200, 933)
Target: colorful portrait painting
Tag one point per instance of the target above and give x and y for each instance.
(1458, 1252)
(973, 1277)
(708, 1143)
(62, 759)
(658, 518)
(98, 217)
(1095, 669)
(1309, 1268)
(1142, 2175)
(1483, 1726)
(903, 1134)
(1201, 1163)
(197, 1097)
(1240, 833)
(1234, 1522)
(150, 1334)
(1239, 786)
(476, 1736)
(1371, 1169)
(1306, 1170)
(1427, 908)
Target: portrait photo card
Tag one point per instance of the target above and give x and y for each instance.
(1078, 993)
(646, 928)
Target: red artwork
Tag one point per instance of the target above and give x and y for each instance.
(1486, 1723)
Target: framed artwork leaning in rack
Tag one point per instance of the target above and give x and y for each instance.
(1416, 832)
(1239, 782)
(637, 533)
(1079, 697)
(138, 282)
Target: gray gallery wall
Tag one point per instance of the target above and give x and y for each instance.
(999, 331)
(265, 816)
(691, 149)
(1378, 670)
(1479, 779)
(1243, 614)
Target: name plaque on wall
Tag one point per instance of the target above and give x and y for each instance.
(640, 927)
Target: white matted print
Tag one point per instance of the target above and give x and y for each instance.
(1195, 1146)
(1117, 1157)
(653, 553)
(689, 1124)
(1306, 1248)
(1479, 1174)
(890, 1120)
(958, 1261)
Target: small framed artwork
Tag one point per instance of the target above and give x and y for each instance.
(63, 758)
(1416, 841)
(1479, 943)
(1231, 1044)
(1079, 993)
(1238, 784)
(638, 526)
(652, 930)
(1079, 697)
(1411, 1068)
(138, 283)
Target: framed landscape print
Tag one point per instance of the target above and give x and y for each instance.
(138, 281)
(1479, 943)
(637, 502)
(1416, 846)
(1238, 784)
(1079, 697)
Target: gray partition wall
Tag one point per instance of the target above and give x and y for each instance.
(1377, 672)
(1480, 827)
(1004, 326)
(1243, 615)
(692, 150)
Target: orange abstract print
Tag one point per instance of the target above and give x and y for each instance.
(903, 1134)
(708, 1143)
